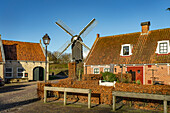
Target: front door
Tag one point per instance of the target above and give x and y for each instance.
(137, 73)
(38, 74)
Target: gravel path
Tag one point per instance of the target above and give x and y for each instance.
(14, 95)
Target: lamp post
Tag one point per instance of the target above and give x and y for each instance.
(46, 41)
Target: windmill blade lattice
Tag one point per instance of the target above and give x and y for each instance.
(84, 44)
(63, 48)
(89, 27)
(67, 29)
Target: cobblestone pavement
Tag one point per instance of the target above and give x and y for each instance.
(17, 94)
(22, 98)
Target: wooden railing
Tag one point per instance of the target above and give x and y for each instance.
(165, 98)
(65, 90)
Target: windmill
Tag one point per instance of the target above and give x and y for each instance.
(76, 41)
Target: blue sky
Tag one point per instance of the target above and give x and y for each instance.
(29, 20)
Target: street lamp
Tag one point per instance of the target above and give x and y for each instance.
(46, 41)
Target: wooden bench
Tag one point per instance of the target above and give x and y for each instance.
(165, 98)
(65, 90)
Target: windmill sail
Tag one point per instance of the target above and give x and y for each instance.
(68, 30)
(88, 28)
(76, 40)
(62, 49)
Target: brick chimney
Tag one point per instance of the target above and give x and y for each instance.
(98, 35)
(145, 27)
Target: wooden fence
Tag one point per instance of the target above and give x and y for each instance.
(165, 98)
(65, 90)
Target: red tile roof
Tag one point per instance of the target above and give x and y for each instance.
(26, 51)
(107, 49)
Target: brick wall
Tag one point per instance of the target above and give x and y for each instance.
(103, 94)
(162, 73)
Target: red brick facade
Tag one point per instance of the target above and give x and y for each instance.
(161, 72)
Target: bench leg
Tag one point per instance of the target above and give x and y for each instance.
(165, 106)
(45, 96)
(65, 97)
(89, 100)
(114, 103)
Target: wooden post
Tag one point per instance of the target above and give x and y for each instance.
(65, 97)
(79, 74)
(89, 99)
(45, 95)
(114, 103)
(165, 106)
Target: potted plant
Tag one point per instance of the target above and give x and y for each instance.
(109, 79)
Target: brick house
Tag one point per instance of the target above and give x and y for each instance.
(145, 54)
(22, 60)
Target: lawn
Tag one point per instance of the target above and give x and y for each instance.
(58, 69)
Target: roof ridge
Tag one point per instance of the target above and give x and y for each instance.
(20, 41)
(133, 33)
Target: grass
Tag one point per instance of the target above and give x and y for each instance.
(57, 68)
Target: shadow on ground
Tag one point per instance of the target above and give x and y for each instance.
(12, 88)
(15, 104)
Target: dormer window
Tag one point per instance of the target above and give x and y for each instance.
(163, 47)
(126, 50)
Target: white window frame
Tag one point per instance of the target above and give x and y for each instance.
(130, 49)
(158, 46)
(20, 72)
(94, 72)
(107, 69)
(9, 72)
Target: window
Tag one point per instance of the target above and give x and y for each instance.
(96, 70)
(20, 72)
(163, 47)
(115, 69)
(106, 69)
(8, 72)
(126, 50)
(138, 71)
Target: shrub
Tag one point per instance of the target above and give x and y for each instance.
(138, 82)
(110, 77)
(125, 80)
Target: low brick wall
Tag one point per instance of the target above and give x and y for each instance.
(100, 94)
(152, 89)
(125, 77)
(103, 94)
(92, 77)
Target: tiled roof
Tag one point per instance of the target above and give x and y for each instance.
(0, 56)
(26, 51)
(107, 49)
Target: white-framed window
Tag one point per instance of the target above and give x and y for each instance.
(20, 72)
(8, 72)
(163, 47)
(126, 50)
(96, 70)
(106, 69)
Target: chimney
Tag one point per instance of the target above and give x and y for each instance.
(145, 27)
(98, 35)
